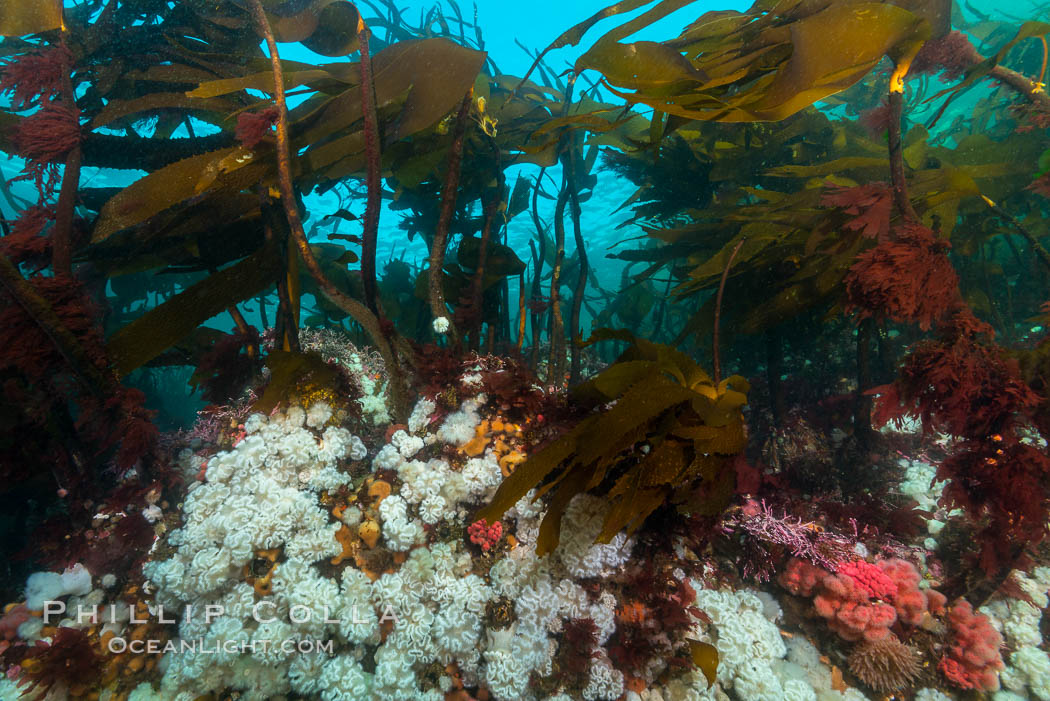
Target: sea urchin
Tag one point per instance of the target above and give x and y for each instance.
(884, 665)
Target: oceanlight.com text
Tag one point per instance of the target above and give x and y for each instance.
(119, 645)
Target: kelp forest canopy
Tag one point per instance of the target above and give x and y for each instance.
(843, 201)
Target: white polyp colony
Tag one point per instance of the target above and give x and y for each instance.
(578, 552)
(1027, 673)
(263, 494)
(50, 586)
(260, 495)
(458, 428)
(393, 637)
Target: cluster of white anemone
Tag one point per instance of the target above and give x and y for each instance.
(263, 494)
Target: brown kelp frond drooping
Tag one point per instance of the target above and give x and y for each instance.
(670, 430)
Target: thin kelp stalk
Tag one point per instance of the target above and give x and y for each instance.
(556, 356)
(661, 310)
(1021, 263)
(930, 123)
(504, 308)
(286, 331)
(39, 310)
(556, 359)
(359, 312)
(986, 284)
(862, 402)
(286, 327)
(897, 180)
(774, 370)
(438, 307)
(521, 306)
(1032, 90)
(370, 232)
(1042, 67)
(581, 278)
(477, 292)
(504, 293)
(477, 285)
(1040, 252)
(718, 311)
(240, 322)
(537, 278)
(535, 311)
(62, 237)
(244, 329)
(261, 299)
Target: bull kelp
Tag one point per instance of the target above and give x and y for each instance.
(703, 354)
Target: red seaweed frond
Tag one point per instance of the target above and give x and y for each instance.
(869, 204)
(69, 661)
(579, 640)
(109, 417)
(876, 121)
(1002, 483)
(24, 243)
(909, 279)
(1030, 116)
(29, 349)
(953, 53)
(224, 370)
(44, 139)
(961, 383)
(659, 608)
(962, 386)
(514, 390)
(438, 369)
(1041, 186)
(115, 550)
(255, 127)
(36, 76)
(122, 421)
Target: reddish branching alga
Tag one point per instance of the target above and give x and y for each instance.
(1041, 185)
(69, 664)
(959, 383)
(255, 127)
(783, 533)
(69, 429)
(34, 76)
(876, 121)
(44, 139)
(953, 53)
(228, 366)
(907, 279)
(962, 384)
(657, 609)
(869, 206)
(577, 649)
(26, 242)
